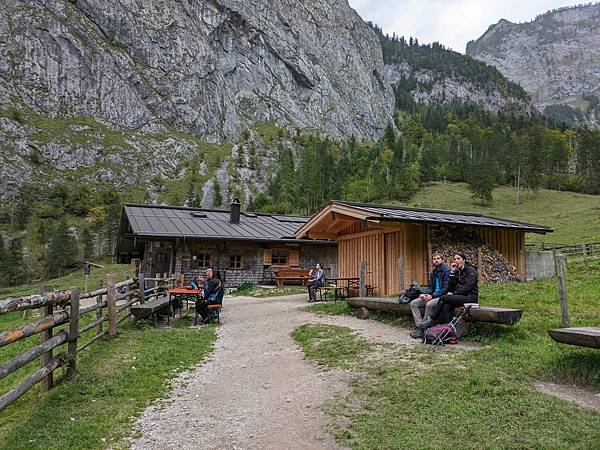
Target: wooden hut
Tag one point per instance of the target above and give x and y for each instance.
(248, 247)
(397, 242)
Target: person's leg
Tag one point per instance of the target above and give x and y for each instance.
(415, 308)
(451, 302)
(312, 294)
(202, 309)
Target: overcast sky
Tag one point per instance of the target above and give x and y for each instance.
(451, 22)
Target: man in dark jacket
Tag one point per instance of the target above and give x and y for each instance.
(462, 287)
(316, 279)
(437, 286)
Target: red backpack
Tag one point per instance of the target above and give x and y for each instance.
(440, 334)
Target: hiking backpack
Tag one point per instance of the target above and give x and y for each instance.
(440, 334)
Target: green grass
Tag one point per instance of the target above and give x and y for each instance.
(484, 398)
(253, 290)
(331, 345)
(74, 279)
(119, 377)
(574, 217)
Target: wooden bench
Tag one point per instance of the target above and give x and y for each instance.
(582, 337)
(214, 313)
(291, 275)
(152, 308)
(340, 292)
(486, 314)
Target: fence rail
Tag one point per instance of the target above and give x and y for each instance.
(585, 249)
(69, 312)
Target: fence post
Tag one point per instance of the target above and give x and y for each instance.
(141, 286)
(584, 250)
(362, 287)
(479, 264)
(111, 303)
(73, 334)
(48, 381)
(99, 310)
(561, 274)
(401, 272)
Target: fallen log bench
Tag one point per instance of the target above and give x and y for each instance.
(582, 337)
(151, 308)
(486, 314)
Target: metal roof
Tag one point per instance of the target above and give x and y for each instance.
(169, 221)
(407, 214)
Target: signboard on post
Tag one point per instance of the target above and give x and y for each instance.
(87, 269)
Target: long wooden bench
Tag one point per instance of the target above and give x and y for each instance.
(582, 337)
(291, 275)
(487, 314)
(151, 308)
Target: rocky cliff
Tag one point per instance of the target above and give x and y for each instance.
(556, 57)
(122, 89)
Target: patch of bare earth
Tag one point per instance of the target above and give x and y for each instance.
(571, 392)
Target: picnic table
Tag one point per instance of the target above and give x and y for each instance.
(185, 293)
(340, 286)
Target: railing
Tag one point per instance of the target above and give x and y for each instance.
(585, 249)
(67, 316)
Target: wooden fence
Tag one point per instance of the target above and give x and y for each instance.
(586, 249)
(61, 310)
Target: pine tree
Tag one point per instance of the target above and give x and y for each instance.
(62, 249)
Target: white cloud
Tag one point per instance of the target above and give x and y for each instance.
(451, 22)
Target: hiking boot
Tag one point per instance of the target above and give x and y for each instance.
(425, 323)
(417, 333)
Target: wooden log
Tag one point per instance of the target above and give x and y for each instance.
(111, 304)
(100, 305)
(99, 291)
(46, 334)
(141, 287)
(486, 314)
(32, 301)
(32, 380)
(97, 307)
(124, 283)
(95, 323)
(73, 334)
(30, 354)
(560, 265)
(39, 326)
(583, 337)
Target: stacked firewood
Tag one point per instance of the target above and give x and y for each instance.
(448, 240)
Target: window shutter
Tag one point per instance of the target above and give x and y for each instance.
(294, 260)
(267, 257)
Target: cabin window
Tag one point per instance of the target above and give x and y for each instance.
(279, 258)
(235, 261)
(200, 260)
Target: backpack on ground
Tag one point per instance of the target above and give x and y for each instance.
(440, 334)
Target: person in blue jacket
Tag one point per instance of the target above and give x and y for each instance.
(429, 298)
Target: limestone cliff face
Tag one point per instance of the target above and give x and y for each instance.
(211, 68)
(556, 57)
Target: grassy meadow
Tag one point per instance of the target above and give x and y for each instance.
(574, 217)
(481, 398)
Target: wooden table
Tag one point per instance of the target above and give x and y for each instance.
(351, 282)
(186, 294)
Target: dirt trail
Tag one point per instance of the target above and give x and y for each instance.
(256, 390)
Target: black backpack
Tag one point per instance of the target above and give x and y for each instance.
(410, 294)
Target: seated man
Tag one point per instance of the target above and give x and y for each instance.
(316, 278)
(437, 286)
(462, 287)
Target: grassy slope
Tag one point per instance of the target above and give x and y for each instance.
(574, 217)
(485, 398)
(119, 377)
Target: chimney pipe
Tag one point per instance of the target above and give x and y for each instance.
(234, 213)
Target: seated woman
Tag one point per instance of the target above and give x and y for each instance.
(462, 287)
(213, 290)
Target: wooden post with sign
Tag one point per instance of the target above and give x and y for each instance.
(362, 283)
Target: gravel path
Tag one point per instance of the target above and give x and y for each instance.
(256, 390)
